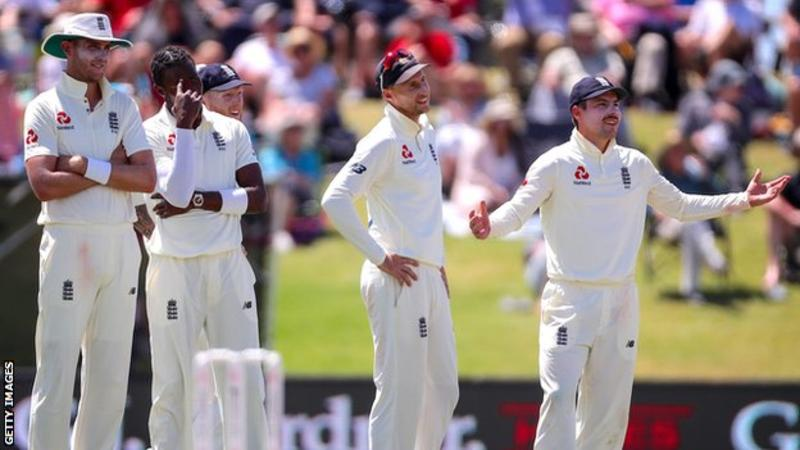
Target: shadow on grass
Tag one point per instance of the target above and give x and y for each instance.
(728, 296)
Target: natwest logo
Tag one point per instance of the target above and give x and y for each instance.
(408, 157)
(63, 118)
(581, 176)
(31, 137)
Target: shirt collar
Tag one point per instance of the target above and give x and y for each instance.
(77, 89)
(403, 123)
(587, 146)
(170, 120)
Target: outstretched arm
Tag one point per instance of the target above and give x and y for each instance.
(668, 199)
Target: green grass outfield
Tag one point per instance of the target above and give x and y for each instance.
(322, 329)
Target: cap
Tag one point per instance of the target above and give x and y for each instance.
(396, 67)
(88, 26)
(591, 87)
(725, 73)
(219, 77)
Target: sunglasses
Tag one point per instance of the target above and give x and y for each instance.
(391, 59)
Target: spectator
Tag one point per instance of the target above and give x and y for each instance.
(643, 33)
(690, 173)
(307, 85)
(529, 23)
(718, 29)
(458, 117)
(791, 62)
(488, 168)
(295, 171)
(585, 54)
(308, 88)
(11, 117)
(259, 57)
(715, 121)
(171, 22)
(783, 234)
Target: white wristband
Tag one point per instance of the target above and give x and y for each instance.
(234, 201)
(98, 170)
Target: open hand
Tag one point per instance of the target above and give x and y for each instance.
(400, 267)
(165, 209)
(479, 221)
(760, 193)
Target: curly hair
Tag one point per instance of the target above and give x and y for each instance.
(167, 57)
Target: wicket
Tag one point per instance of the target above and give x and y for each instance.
(234, 392)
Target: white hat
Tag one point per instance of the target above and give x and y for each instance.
(88, 25)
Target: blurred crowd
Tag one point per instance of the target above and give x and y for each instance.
(501, 71)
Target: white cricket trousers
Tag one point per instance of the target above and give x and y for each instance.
(87, 300)
(587, 345)
(184, 296)
(415, 373)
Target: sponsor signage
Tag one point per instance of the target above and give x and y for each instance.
(332, 414)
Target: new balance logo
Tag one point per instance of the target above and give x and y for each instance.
(358, 168)
(218, 140)
(626, 177)
(113, 122)
(172, 309)
(423, 328)
(68, 291)
(248, 304)
(630, 344)
(561, 336)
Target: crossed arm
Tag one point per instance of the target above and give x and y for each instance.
(247, 177)
(55, 177)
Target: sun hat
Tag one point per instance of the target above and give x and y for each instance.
(87, 25)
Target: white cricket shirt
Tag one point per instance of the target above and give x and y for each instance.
(58, 122)
(593, 208)
(397, 168)
(222, 147)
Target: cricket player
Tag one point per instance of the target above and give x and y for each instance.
(593, 195)
(85, 152)
(198, 277)
(223, 89)
(403, 281)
